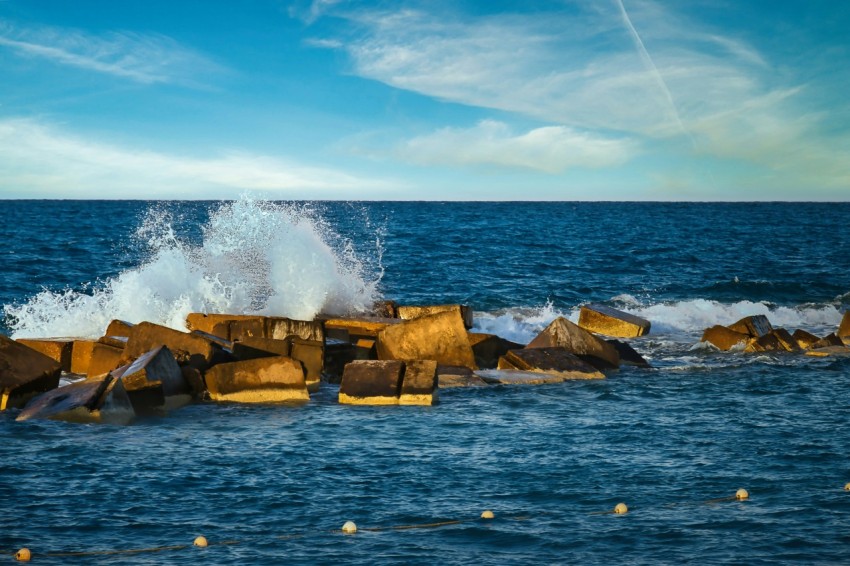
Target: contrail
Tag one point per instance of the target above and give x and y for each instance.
(650, 64)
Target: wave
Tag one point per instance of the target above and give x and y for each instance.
(255, 257)
(681, 320)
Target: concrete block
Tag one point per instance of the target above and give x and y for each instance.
(804, 339)
(555, 360)
(371, 382)
(724, 338)
(827, 341)
(97, 400)
(755, 326)
(187, 348)
(628, 355)
(154, 382)
(450, 377)
(281, 328)
(411, 312)
(81, 353)
(609, 321)
(488, 348)
(58, 349)
(441, 337)
(419, 383)
(24, 373)
(578, 341)
(261, 380)
(844, 327)
(119, 328)
(218, 324)
(104, 358)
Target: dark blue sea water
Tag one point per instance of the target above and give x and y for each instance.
(551, 461)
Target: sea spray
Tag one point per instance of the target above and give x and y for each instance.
(254, 257)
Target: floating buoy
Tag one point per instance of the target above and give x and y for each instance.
(488, 515)
(23, 555)
(742, 494)
(847, 487)
(201, 541)
(349, 527)
(621, 509)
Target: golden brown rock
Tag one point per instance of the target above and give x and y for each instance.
(281, 328)
(154, 382)
(777, 340)
(311, 354)
(352, 329)
(457, 376)
(118, 328)
(187, 348)
(58, 349)
(371, 382)
(216, 324)
(419, 383)
(844, 327)
(519, 377)
(828, 351)
(488, 348)
(440, 337)
(81, 356)
(755, 326)
(724, 338)
(592, 349)
(104, 358)
(628, 355)
(609, 321)
(555, 360)
(804, 339)
(411, 312)
(24, 373)
(261, 380)
(827, 341)
(97, 400)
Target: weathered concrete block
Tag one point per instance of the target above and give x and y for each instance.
(827, 341)
(24, 373)
(829, 351)
(97, 400)
(59, 349)
(154, 382)
(251, 348)
(187, 348)
(555, 360)
(246, 328)
(81, 356)
(724, 338)
(612, 322)
(281, 328)
(119, 328)
(419, 383)
(777, 340)
(119, 342)
(592, 349)
(488, 348)
(371, 382)
(628, 355)
(441, 337)
(804, 339)
(311, 354)
(755, 326)
(261, 380)
(352, 329)
(413, 312)
(457, 376)
(104, 358)
(844, 327)
(219, 324)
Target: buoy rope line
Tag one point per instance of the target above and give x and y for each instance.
(349, 528)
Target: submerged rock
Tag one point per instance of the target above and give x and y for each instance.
(724, 338)
(804, 339)
(827, 341)
(419, 383)
(96, 400)
(457, 376)
(612, 322)
(24, 373)
(628, 355)
(554, 360)
(777, 340)
(519, 377)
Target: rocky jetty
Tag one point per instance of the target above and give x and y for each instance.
(756, 334)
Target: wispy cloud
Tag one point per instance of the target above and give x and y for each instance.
(40, 160)
(553, 149)
(587, 68)
(143, 58)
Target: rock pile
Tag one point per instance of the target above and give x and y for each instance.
(757, 334)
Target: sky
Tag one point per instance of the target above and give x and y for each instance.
(433, 100)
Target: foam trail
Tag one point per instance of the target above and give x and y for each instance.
(650, 64)
(255, 257)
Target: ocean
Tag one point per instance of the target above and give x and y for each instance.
(271, 484)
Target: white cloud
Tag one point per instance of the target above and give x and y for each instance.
(551, 149)
(39, 160)
(142, 58)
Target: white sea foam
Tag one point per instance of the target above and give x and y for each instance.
(255, 257)
(519, 325)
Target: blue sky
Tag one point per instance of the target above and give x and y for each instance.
(446, 100)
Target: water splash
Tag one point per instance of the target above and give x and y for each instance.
(255, 257)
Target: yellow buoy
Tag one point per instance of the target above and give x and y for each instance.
(742, 494)
(23, 555)
(349, 527)
(201, 541)
(488, 515)
(847, 487)
(621, 509)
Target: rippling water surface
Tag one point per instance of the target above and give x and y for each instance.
(551, 461)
